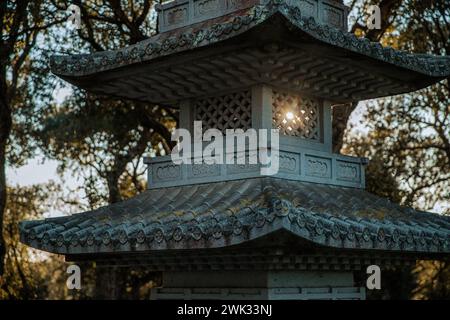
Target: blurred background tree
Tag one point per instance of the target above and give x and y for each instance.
(21, 24)
(29, 273)
(407, 137)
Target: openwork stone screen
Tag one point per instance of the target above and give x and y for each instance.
(295, 115)
(231, 111)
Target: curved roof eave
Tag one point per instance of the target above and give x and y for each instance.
(208, 216)
(223, 28)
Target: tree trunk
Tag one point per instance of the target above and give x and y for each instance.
(113, 189)
(5, 130)
(341, 115)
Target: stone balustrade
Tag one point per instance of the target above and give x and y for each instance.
(294, 164)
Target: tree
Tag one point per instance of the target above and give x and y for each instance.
(105, 136)
(104, 139)
(407, 137)
(359, 9)
(26, 274)
(21, 22)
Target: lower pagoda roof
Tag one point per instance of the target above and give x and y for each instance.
(233, 213)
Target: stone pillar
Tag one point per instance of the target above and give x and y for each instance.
(106, 286)
(263, 285)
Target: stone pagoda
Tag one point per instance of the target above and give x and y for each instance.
(226, 231)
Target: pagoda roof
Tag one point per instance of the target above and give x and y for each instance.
(265, 43)
(232, 213)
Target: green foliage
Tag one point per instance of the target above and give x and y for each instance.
(432, 281)
(29, 274)
(107, 137)
(98, 138)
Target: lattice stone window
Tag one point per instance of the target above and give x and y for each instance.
(295, 115)
(231, 111)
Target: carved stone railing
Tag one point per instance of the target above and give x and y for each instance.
(294, 164)
(180, 13)
(330, 12)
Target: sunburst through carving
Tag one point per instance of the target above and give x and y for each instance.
(295, 115)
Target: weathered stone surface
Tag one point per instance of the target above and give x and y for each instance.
(214, 31)
(137, 72)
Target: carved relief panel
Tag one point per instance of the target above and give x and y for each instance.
(177, 15)
(318, 167)
(205, 7)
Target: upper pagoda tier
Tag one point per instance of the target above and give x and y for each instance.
(209, 46)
